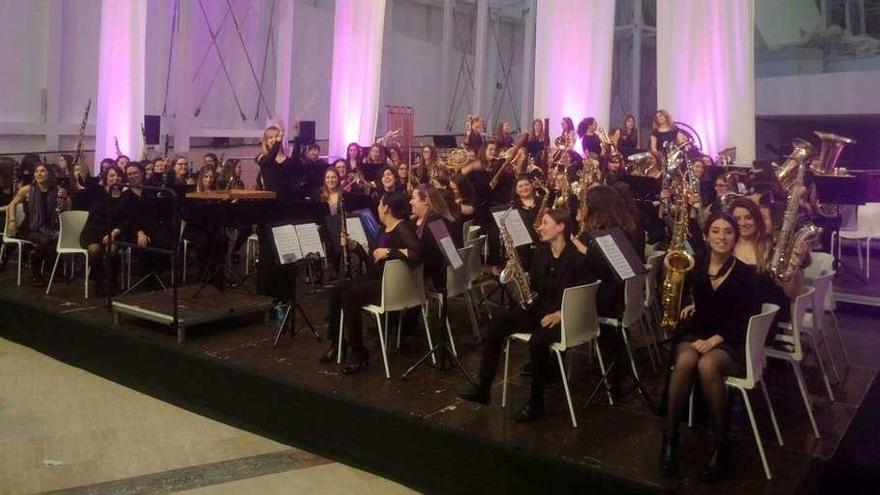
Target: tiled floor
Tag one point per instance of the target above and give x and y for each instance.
(68, 430)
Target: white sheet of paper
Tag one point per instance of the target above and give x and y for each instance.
(615, 256)
(356, 231)
(310, 239)
(515, 226)
(286, 244)
(451, 253)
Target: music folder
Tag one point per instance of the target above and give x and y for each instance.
(517, 229)
(619, 253)
(445, 243)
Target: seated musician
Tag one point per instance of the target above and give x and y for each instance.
(406, 178)
(231, 175)
(429, 164)
(753, 249)
(210, 160)
(41, 199)
(428, 206)
(504, 135)
(394, 157)
(527, 201)
(398, 240)
(389, 181)
(147, 217)
(463, 196)
(205, 242)
(376, 155)
(557, 266)
(710, 340)
(104, 226)
(181, 177)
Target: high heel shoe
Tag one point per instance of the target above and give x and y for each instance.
(719, 463)
(669, 455)
(357, 365)
(330, 355)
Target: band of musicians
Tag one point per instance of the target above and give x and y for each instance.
(734, 240)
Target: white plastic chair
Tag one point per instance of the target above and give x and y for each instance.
(402, 288)
(458, 284)
(71, 226)
(21, 243)
(579, 325)
(868, 229)
(792, 350)
(475, 272)
(756, 361)
(820, 274)
(633, 313)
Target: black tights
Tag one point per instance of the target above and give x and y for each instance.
(712, 367)
(103, 261)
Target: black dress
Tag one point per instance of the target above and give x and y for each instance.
(592, 144)
(274, 279)
(105, 214)
(665, 138)
(628, 141)
(723, 311)
(474, 141)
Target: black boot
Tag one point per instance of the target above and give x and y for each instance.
(478, 393)
(532, 411)
(358, 359)
(719, 463)
(669, 455)
(330, 355)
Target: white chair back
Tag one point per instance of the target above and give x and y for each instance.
(580, 317)
(633, 299)
(72, 223)
(869, 219)
(401, 287)
(756, 334)
(458, 281)
(469, 232)
(798, 311)
(475, 260)
(820, 274)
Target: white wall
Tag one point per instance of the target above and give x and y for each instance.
(839, 93)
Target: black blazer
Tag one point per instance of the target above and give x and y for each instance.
(571, 274)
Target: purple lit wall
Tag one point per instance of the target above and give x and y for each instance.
(573, 49)
(706, 70)
(120, 105)
(357, 70)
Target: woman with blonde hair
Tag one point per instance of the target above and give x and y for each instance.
(665, 133)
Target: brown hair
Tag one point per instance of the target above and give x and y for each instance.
(762, 237)
(605, 209)
(562, 216)
(436, 201)
(665, 114)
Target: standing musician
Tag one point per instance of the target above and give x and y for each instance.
(398, 240)
(537, 143)
(627, 138)
(590, 141)
(41, 200)
(527, 202)
(473, 134)
(105, 224)
(182, 179)
(504, 135)
(557, 266)
(665, 133)
(231, 175)
(710, 340)
(565, 143)
(276, 168)
(331, 193)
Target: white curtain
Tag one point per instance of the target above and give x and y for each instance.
(573, 49)
(120, 105)
(357, 70)
(706, 70)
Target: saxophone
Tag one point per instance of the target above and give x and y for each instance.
(613, 154)
(513, 272)
(793, 242)
(676, 263)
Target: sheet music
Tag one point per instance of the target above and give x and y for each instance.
(451, 253)
(356, 231)
(615, 256)
(515, 226)
(286, 244)
(309, 239)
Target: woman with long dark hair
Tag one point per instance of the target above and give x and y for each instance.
(627, 137)
(105, 224)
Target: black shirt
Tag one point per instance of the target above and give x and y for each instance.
(474, 141)
(665, 138)
(592, 144)
(726, 310)
(276, 176)
(628, 141)
(402, 236)
(550, 276)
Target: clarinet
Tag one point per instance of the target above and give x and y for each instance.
(343, 229)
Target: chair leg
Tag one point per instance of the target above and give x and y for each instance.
(840, 338)
(339, 340)
(574, 422)
(184, 262)
(52, 277)
(602, 369)
(506, 365)
(821, 367)
(382, 345)
(451, 338)
(756, 433)
(85, 276)
(859, 250)
(646, 330)
(819, 328)
(428, 333)
(799, 376)
(19, 263)
(772, 412)
(632, 361)
(472, 316)
(399, 327)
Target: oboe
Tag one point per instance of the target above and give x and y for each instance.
(343, 229)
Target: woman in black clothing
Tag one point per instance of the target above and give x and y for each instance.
(274, 279)
(665, 133)
(557, 266)
(536, 143)
(105, 224)
(711, 344)
(627, 138)
(504, 135)
(428, 205)
(463, 195)
(590, 141)
(527, 201)
(41, 204)
(473, 136)
(397, 241)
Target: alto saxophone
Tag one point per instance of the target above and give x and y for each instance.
(513, 272)
(677, 263)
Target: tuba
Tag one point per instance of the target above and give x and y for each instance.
(787, 172)
(829, 153)
(513, 272)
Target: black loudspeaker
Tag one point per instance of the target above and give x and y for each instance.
(306, 132)
(151, 128)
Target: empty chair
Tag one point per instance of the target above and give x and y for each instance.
(820, 274)
(868, 229)
(579, 325)
(72, 223)
(20, 243)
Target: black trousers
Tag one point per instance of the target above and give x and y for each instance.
(520, 321)
(273, 278)
(44, 248)
(348, 296)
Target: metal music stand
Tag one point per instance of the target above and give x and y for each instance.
(846, 190)
(293, 307)
(443, 350)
